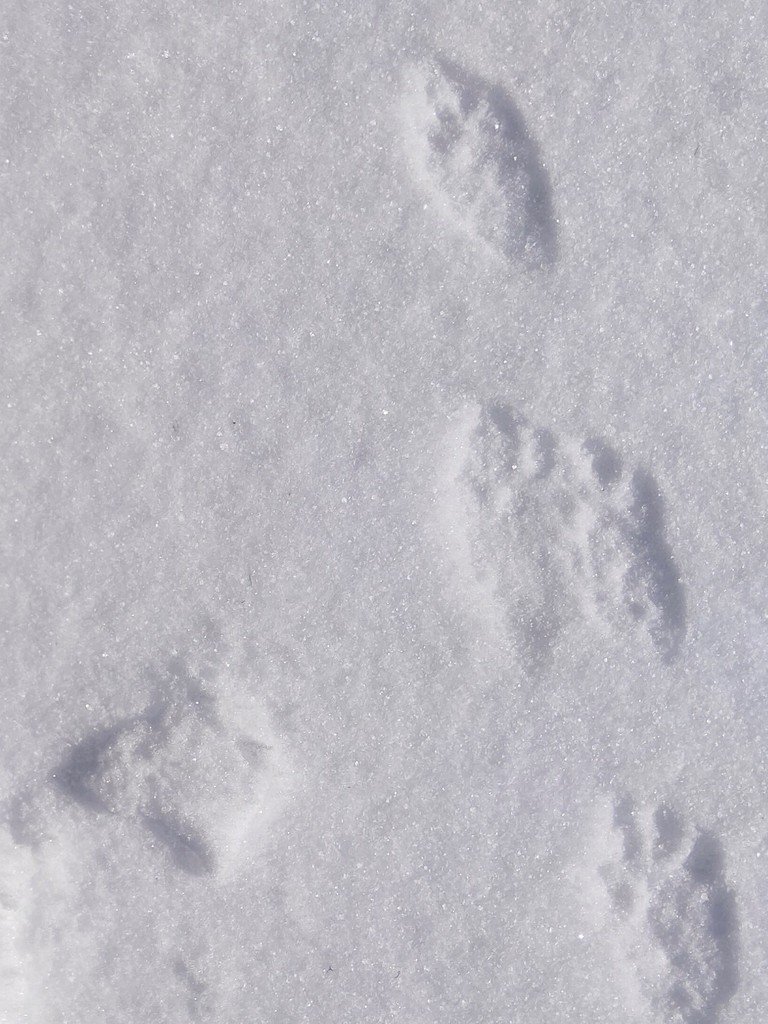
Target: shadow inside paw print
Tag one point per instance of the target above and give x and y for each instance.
(566, 530)
(474, 152)
(671, 880)
(183, 769)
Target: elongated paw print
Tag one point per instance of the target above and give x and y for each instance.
(674, 913)
(471, 152)
(561, 530)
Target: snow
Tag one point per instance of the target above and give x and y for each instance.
(383, 513)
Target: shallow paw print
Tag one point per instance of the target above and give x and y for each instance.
(566, 531)
(471, 151)
(673, 907)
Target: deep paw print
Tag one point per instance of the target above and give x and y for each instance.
(197, 772)
(571, 531)
(669, 895)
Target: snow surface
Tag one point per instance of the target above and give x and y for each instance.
(384, 605)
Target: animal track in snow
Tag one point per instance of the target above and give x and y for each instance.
(675, 917)
(198, 998)
(557, 530)
(191, 769)
(471, 151)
